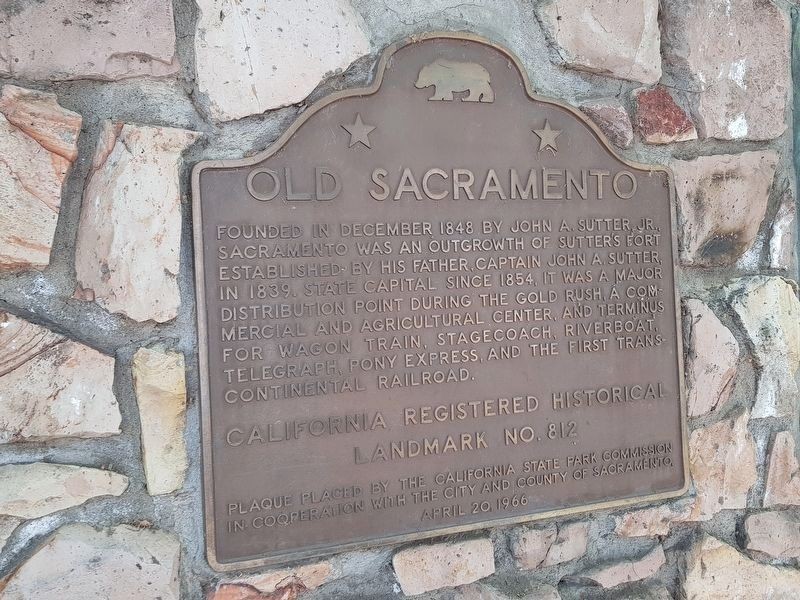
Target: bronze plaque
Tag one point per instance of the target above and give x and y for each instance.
(436, 304)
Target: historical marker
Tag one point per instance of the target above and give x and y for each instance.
(435, 304)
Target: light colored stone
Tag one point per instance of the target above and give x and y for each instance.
(40, 116)
(713, 353)
(721, 201)
(628, 570)
(253, 56)
(30, 491)
(129, 235)
(592, 36)
(38, 144)
(422, 569)
(538, 548)
(530, 545)
(160, 384)
(82, 563)
(309, 576)
(74, 39)
(782, 238)
(716, 571)
(776, 534)
(722, 459)
(742, 72)
(650, 522)
(660, 120)
(481, 591)
(51, 387)
(769, 311)
(22, 341)
(612, 119)
(7, 527)
(570, 543)
(783, 476)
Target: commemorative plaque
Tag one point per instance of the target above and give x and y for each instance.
(435, 304)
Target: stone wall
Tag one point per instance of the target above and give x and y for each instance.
(104, 107)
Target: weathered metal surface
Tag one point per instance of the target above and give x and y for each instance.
(436, 304)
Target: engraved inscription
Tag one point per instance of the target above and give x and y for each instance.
(416, 321)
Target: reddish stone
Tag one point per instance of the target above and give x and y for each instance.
(309, 576)
(660, 120)
(229, 591)
(240, 591)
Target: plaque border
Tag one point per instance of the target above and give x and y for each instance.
(202, 329)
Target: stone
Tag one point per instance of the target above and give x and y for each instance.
(530, 546)
(234, 591)
(627, 570)
(310, 577)
(38, 144)
(30, 491)
(783, 475)
(742, 74)
(22, 341)
(722, 460)
(79, 562)
(592, 37)
(612, 119)
(253, 56)
(482, 591)
(160, 384)
(51, 387)
(769, 311)
(721, 203)
(40, 116)
(7, 527)
(782, 237)
(73, 39)
(538, 548)
(421, 569)
(134, 180)
(650, 522)
(776, 534)
(659, 119)
(239, 591)
(570, 543)
(712, 356)
(716, 571)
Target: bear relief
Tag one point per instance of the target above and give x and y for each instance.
(448, 76)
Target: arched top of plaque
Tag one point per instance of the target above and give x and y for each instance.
(452, 77)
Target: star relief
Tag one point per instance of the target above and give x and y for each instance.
(547, 137)
(359, 132)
